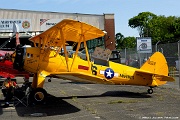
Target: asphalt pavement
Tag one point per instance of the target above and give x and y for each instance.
(75, 101)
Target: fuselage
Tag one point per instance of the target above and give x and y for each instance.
(47, 60)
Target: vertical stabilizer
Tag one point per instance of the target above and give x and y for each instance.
(156, 64)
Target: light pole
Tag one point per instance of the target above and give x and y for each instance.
(157, 44)
(179, 60)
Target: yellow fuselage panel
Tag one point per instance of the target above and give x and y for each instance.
(32, 59)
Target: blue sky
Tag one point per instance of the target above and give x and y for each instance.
(122, 9)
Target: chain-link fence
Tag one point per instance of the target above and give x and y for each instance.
(132, 58)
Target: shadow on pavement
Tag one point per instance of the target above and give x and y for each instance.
(58, 106)
(1, 111)
(126, 94)
(114, 94)
(53, 106)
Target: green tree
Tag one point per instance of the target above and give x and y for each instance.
(162, 29)
(119, 40)
(129, 42)
(125, 42)
(141, 23)
(175, 28)
(159, 28)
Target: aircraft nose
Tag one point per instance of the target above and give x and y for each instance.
(19, 58)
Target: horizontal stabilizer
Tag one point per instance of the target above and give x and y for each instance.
(162, 77)
(166, 78)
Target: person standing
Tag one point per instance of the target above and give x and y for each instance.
(26, 83)
(8, 90)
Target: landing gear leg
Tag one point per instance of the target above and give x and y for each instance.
(150, 90)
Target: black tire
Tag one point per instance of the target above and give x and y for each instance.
(150, 91)
(49, 80)
(38, 96)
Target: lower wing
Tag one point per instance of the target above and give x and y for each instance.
(81, 77)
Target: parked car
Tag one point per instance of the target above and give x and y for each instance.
(116, 57)
(82, 54)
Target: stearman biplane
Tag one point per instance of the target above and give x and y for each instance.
(46, 59)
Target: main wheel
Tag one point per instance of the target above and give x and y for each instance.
(38, 96)
(150, 91)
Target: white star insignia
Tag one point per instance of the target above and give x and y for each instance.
(109, 73)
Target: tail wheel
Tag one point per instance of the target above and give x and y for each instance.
(38, 96)
(150, 91)
(49, 80)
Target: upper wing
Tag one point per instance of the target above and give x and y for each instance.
(67, 30)
(81, 77)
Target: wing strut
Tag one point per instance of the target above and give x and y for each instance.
(65, 51)
(77, 49)
(87, 53)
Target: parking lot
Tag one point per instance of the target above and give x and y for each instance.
(73, 101)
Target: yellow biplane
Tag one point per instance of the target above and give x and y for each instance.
(45, 59)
